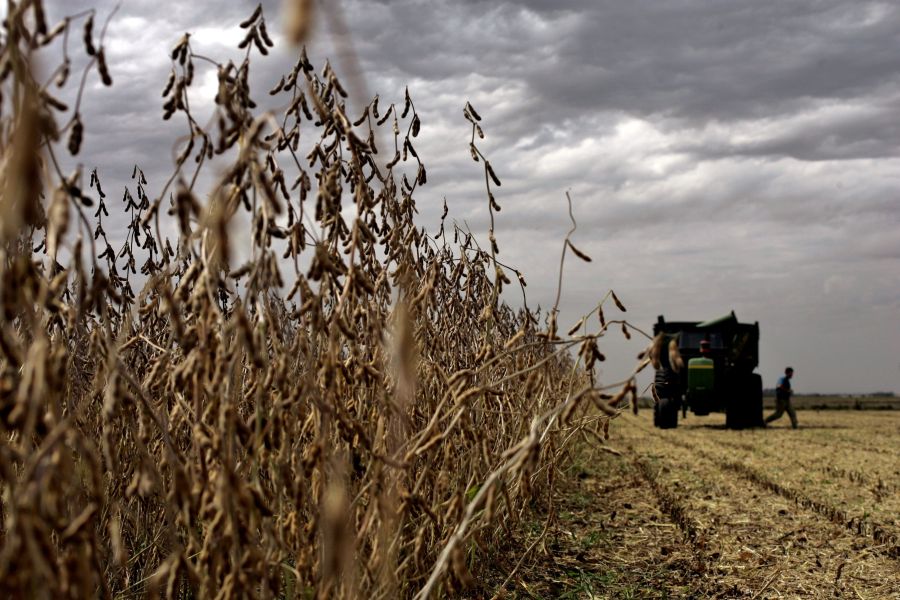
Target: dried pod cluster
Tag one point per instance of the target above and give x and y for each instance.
(351, 411)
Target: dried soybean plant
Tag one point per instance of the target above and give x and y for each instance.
(352, 411)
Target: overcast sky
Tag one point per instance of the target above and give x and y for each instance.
(721, 155)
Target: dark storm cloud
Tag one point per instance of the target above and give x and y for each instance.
(695, 60)
(725, 60)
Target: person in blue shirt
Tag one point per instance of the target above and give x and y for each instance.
(783, 394)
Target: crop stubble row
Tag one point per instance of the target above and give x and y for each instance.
(761, 534)
(860, 486)
(794, 484)
(859, 492)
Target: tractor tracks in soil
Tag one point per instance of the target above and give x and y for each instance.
(858, 446)
(865, 503)
(884, 536)
(748, 526)
(827, 463)
(704, 554)
(703, 512)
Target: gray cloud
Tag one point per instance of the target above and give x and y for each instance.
(720, 154)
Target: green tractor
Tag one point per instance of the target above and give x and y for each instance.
(712, 371)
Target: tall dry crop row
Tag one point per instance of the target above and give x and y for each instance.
(352, 412)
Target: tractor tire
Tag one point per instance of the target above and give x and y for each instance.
(735, 407)
(744, 408)
(755, 402)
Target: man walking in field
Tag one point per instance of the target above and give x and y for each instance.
(783, 399)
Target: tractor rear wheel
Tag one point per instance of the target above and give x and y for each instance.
(755, 402)
(744, 408)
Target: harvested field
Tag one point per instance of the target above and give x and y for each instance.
(702, 511)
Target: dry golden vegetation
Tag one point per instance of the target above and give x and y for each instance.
(349, 409)
(706, 512)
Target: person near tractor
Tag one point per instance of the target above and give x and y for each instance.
(783, 394)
